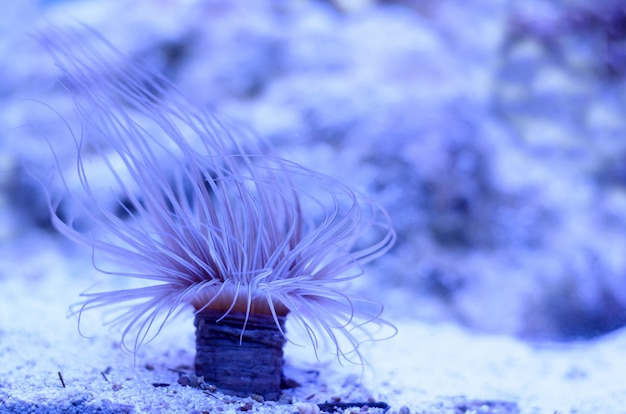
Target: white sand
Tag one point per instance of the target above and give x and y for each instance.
(427, 368)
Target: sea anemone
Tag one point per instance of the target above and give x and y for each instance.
(211, 217)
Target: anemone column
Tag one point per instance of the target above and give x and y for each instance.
(241, 357)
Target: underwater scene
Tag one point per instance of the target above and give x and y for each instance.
(313, 206)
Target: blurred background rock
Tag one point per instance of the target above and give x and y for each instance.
(493, 132)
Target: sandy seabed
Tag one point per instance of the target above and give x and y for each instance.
(425, 368)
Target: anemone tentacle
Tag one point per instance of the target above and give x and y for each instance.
(218, 221)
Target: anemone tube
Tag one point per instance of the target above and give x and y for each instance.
(209, 217)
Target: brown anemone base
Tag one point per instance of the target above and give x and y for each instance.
(240, 364)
